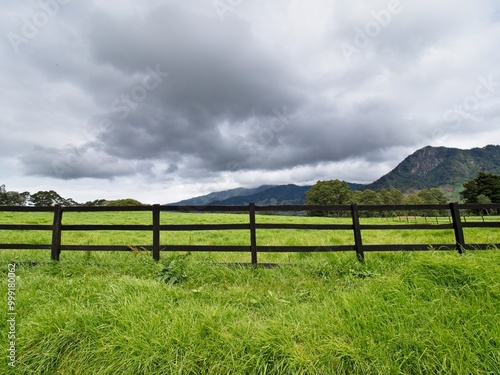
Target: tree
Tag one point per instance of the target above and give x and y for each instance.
(95, 203)
(357, 196)
(393, 196)
(433, 196)
(485, 184)
(124, 202)
(413, 199)
(396, 197)
(438, 194)
(427, 197)
(328, 193)
(47, 198)
(371, 197)
(483, 199)
(113, 203)
(13, 198)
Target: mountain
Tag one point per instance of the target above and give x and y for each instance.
(220, 196)
(430, 167)
(262, 195)
(276, 195)
(442, 167)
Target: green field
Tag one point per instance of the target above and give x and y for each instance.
(321, 313)
(234, 237)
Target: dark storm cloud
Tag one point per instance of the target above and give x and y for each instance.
(217, 83)
(223, 96)
(172, 90)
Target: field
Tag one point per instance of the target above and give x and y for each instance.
(192, 313)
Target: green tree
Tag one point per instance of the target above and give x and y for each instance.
(95, 203)
(328, 193)
(384, 195)
(431, 197)
(50, 198)
(438, 194)
(46, 198)
(13, 198)
(427, 197)
(370, 197)
(485, 184)
(413, 199)
(395, 197)
(357, 196)
(124, 202)
(483, 199)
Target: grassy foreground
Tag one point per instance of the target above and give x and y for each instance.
(122, 313)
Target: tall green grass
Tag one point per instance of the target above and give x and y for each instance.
(315, 313)
(116, 313)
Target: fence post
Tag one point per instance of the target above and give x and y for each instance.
(358, 242)
(457, 227)
(156, 232)
(253, 234)
(56, 233)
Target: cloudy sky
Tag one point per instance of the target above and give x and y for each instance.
(163, 100)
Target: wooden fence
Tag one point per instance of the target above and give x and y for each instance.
(353, 210)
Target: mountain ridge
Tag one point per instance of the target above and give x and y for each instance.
(440, 167)
(434, 167)
(221, 195)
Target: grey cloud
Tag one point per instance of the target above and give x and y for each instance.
(216, 111)
(72, 162)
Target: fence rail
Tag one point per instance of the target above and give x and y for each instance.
(56, 246)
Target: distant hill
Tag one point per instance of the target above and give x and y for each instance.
(440, 167)
(276, 195)
(430, 167)
(262, 195)
(220, 196)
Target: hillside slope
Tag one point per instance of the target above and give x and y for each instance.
(277, 195)
(220, 196)
(440, 166)
(429, 167)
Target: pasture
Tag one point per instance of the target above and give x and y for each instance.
(192, 313)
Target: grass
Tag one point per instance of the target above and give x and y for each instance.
(321, 313)
(234, 237)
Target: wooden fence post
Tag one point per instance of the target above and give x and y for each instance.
(156, 232)
(253, 233)
(457, 227)
(358, 242)
(56, 233)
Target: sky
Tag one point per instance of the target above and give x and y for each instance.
(165, 100)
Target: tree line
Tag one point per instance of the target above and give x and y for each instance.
(51, 198)
(485, 188)
(338, 192)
